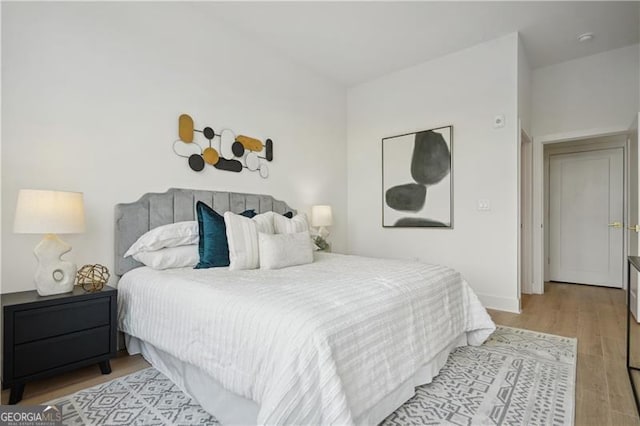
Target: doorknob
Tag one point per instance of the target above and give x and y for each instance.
(635, 228)
(615, 225)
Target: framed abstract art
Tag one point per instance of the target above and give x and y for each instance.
(417, 184)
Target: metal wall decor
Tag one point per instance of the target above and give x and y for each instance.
(244, 149)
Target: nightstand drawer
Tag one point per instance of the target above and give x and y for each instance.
(34, 357)
(41, 323)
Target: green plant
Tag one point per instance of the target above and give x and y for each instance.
(321, 243)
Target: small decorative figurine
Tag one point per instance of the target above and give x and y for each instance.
(92, 278)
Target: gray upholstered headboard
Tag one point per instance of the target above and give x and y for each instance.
(177, 205)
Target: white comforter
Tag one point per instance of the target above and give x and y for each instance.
(313, 344)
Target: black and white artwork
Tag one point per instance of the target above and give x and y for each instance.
(416, 179)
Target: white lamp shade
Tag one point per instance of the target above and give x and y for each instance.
(321, 216)
(49, 212)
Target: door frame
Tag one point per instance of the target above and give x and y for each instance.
(525, 206)
(586, 146)
(540, 224)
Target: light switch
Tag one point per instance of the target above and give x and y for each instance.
(484, 205)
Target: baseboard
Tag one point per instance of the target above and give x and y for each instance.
(500, 303)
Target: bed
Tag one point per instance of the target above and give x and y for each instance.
(343, 340)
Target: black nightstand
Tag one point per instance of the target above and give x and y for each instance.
(48, 335)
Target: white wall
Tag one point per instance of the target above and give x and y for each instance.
(524, 88)
(525, 152)
(591, 96)
(92, 92)
(599, 91)
(465, 89)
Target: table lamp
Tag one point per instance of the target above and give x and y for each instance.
(321, 217)
(50, 213)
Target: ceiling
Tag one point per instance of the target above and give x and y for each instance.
(352, 42)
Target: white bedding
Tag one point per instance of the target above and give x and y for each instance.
(314, 344)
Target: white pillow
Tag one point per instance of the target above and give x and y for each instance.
(282, 250)
(284, 225)
(171, 235)
(264, 221)
(242, 236)
(170, 257)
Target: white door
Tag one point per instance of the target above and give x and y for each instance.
(586, 217)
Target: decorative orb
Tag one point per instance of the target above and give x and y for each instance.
(92, 277)
(264, 171)
(185, 128)
(209, 133)
(227, 138)
(253, 161)
(210, 156)
(184, 149)
(249, 143)
(196, 162)
(269, 148)
(238, 149)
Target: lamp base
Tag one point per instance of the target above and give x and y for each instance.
(53, 275)
(322, 244)
(322, 232)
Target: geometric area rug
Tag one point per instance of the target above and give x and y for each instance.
(517, 377)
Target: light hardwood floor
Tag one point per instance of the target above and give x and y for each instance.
(595, 315)
(54, 387)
